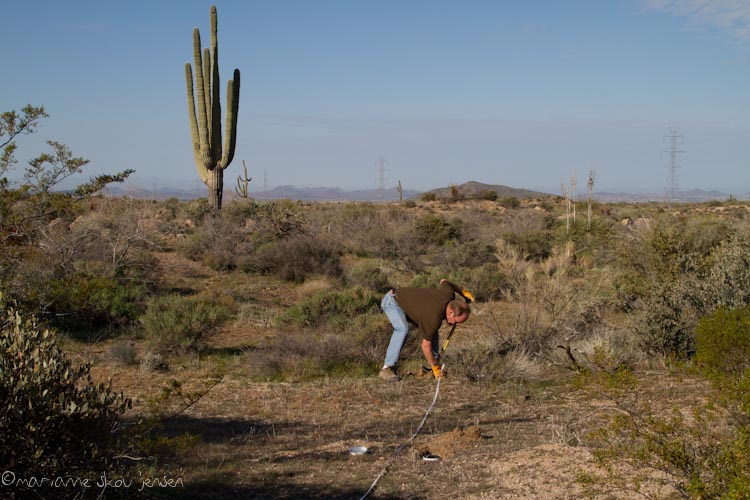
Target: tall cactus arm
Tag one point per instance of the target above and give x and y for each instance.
(233, 104)
(207, 88)
(201, 102)
(215, 89)
(202, 172)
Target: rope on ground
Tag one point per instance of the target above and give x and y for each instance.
(411, 439)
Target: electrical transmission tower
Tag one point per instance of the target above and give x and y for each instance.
(381, 177)
(675, 140)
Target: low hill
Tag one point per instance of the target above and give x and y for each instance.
(473, 189)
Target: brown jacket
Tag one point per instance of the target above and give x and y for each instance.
(425, 307)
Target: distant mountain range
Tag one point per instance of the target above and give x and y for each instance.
(692, 196)
(466, 190)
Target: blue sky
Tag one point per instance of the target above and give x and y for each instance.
(502, 92)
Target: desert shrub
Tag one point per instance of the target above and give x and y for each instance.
(686, 275)
(487, 194)
(673, 275)
(486, 361)
(590, 243)
(509, 202)
(230, 238)
(644, 448)
(355, 349)
(486, 281)
(88, 275)
(664, 322)
(368, 230)
(688, 450)
(80, 303)
(469, 254)
(335, 308)
(196, 210)
(549, 300)
(530, 234)
(535, 245)
(725, 284)
(154, 362)
(219, 242)
(371, 277)
(178, 324)
(427, 197)
(436, 230)
(605, 350)
(283, 217)
(297, 257)
(123, 352)
(54, 420)
(723, 341)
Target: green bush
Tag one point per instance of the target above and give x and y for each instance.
(371, 277)
(221, 241)
(509, 202)
(427, 197)
(677, 273)
(293, 356)
(81, 303)
(726, 281)
(688, 450)
(436, 230)
(723, 341)
(535, 245)
(297, 257)
(87, 275)
(487, 194)
(54, 420)
(469, 254)
(664, 322)
(367, 229)
(486, 282)
(332, 307)
(175, 323)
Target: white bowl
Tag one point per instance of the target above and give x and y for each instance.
(358, 450)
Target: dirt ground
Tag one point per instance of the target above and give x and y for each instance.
(273, 440)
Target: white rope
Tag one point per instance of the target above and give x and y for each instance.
(411, 439)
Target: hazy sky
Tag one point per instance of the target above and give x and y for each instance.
(520, 93)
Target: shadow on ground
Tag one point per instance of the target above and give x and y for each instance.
(220, 490)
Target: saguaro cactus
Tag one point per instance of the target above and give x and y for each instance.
(242, 183)
(205, 127)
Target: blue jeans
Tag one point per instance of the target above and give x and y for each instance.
(397, 317)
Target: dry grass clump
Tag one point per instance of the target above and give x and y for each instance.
(153, 362)
(484, 361)
(298, 355)
(550, 302)
(123, 352)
